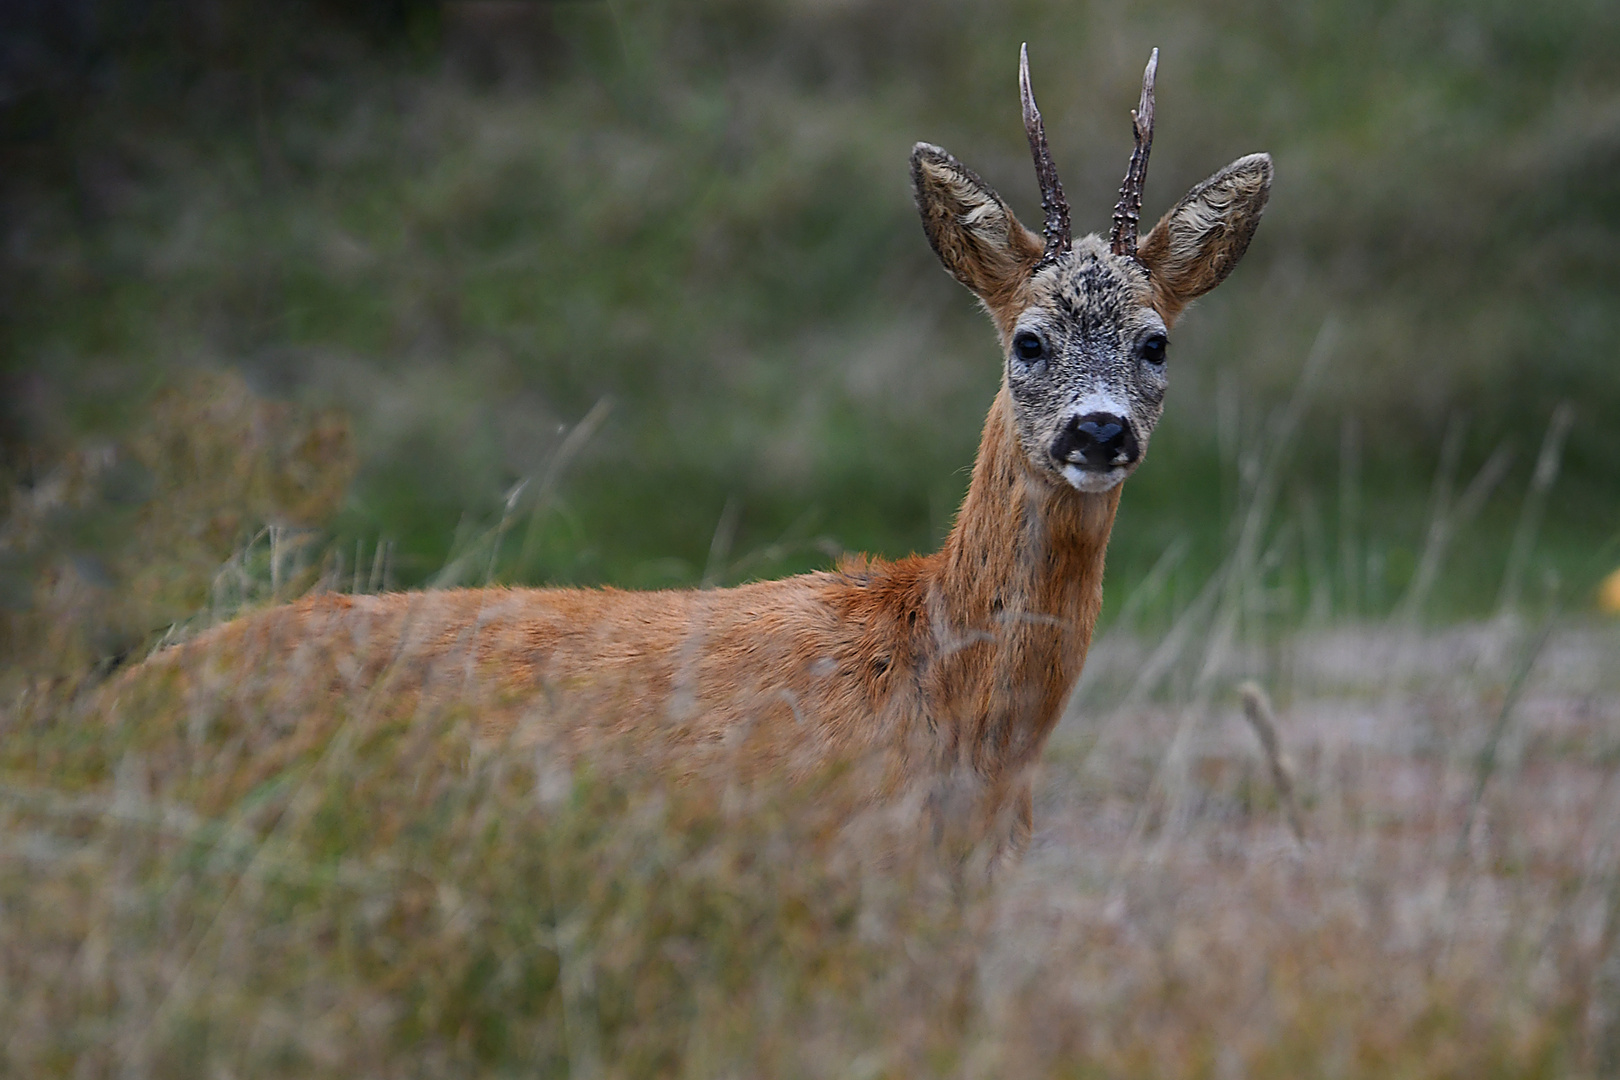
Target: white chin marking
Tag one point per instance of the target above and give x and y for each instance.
(1091, 480)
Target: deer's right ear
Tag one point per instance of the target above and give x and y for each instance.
(972, 229)
(1196, 244)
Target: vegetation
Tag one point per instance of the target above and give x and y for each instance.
(468, 234)
(197, 879)
(362, 295)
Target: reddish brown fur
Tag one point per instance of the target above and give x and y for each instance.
(951, 665)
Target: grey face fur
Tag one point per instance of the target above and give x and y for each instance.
(1085, 355)
(1083, 336)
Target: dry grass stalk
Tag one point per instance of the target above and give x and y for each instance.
(1262, 718)
(1535, 504)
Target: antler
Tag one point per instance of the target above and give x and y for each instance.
(1128, 211)
(1053, 204)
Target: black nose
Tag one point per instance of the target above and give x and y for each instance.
(1097, 441)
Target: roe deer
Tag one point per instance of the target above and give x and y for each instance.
(946, 667)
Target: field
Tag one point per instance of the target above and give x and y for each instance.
(359, 296)
(215, 887)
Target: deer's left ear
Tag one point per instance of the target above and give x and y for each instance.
(971, 228)
(1196, 244)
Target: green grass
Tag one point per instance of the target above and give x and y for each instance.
(703, 218)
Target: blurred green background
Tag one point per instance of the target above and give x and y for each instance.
(457, 230)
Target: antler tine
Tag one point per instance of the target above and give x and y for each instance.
(1128, 211)
(1053, 204)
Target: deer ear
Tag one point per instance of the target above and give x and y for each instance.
(972, 229)
(1196, 244)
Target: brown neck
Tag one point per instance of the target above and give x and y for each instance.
(1017, 592)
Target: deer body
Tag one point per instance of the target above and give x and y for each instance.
(950, 665)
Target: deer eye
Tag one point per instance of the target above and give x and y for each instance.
(1028, 346)
(1152, 348)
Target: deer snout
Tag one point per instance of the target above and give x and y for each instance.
(1096, 441)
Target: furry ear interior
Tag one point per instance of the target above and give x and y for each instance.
(972, 229)
(1196, 244)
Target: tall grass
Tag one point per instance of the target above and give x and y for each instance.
(197, 881)
(212, 871)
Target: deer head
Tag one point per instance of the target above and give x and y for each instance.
(1085, 324)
